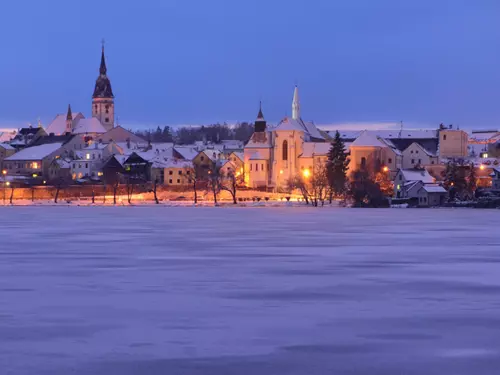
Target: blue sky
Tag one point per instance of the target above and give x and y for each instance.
(199, 61)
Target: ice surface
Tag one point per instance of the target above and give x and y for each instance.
(177, 290)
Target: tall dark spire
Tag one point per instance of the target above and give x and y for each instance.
(69, 116)
(103, 70)
(260, 116)
(103, 85)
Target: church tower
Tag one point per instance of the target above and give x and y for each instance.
(260, 122)
(103, 103)
(296, 104)
(69, 120)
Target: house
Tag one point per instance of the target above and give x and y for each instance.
(138, 166)
(60, 170)
(177, 172)
(495, 178)
(118, 135)
(431, 195)
(27, 136)
(416, 155)
(406, 182)
(34, 160)
(6, 150)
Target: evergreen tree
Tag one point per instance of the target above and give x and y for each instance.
(167, 135)
(472, 180)
(454, 180)
(337, 167)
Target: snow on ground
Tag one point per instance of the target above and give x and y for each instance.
(184, 290)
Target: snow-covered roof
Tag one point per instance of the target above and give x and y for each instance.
(213, 155)
(35, 152)
(239, 155)
(63, 163)
(6, 136)
(367, 139)
(483, 135)
(310, 149)
(477, 148)
(259, 140)
(6, 146)
(434, 189)
(417, 175)
(298, 124)
(188, 153)
(58, 125)
(89, 125)
(389, 134)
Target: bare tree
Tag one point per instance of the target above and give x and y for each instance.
(60, 183)
(215, 181)
(194, 176)
(154, 190)
(230, 183)
(297, 183)
(319, 184)
(12, 187)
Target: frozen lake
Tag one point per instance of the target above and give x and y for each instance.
(223, 291)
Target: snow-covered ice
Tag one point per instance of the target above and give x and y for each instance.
(184, 290)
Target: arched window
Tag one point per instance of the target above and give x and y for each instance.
(285, 150)
(363, 162)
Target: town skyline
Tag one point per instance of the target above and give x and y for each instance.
(356, 63)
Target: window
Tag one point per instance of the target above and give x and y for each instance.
(93, 156)
(400, 177)
(389, 161)
(86, 165)
(413, 161)
(106, 119)
(411, 151)
(79, 165)
(170, 173)
(202, 158)
(432, 161)
(170, 181)
(363, 162)
(188, 172)
(35, 165)
(178, 181)
(251, 167)
(285, 150)
(444, 137)
(256, 167)
(419, 161)
(262, 167)
(416, 151)
(99, 156)
(87, 156)
(74, 165)
(180, 172)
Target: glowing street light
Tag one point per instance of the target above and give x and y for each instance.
(481, 167)
(385, 169)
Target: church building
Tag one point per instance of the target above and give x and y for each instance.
(273, 155)
(103, 110)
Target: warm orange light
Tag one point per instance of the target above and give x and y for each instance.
(35, 175)
(7, 183)
(281, 171)
(482, 166)
(35, 165)
(4, 172)
(386, 169)
(306, 173)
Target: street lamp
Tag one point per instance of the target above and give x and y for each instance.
(385, 169)
(4, 173)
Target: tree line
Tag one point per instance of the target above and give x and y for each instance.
(189, 134)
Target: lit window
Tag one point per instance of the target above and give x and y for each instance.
(87, 156)
(35, 165)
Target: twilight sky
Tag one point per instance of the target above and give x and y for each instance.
(204, 61)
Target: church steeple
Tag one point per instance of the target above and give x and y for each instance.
(103, 70)
(69, 120)
(260, 122)
(103, 104)
(296, 104)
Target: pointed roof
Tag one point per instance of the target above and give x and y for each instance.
(103, 70)
(367, 139)
(69, 115)
(103, 84)
(296, 104)
(260, 116)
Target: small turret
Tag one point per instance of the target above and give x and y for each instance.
(260, 122)
(296, 104)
